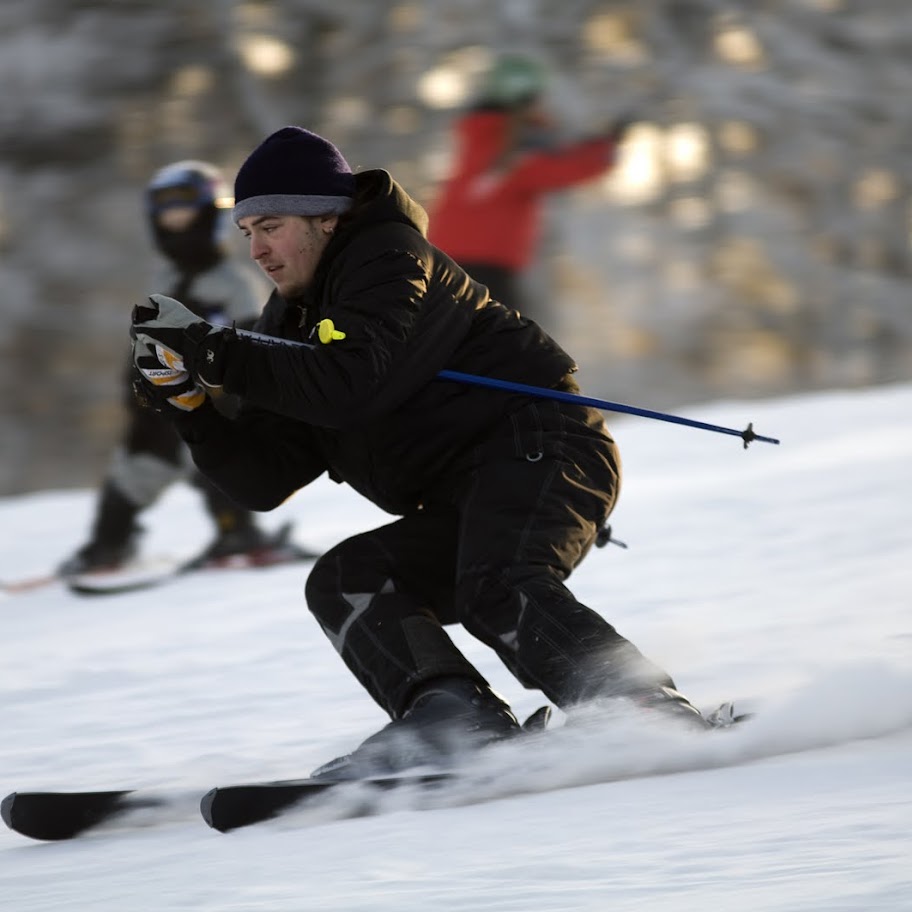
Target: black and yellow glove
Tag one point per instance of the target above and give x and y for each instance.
(174, 334)
(161, 380)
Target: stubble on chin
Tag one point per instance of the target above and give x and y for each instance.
(291, 289)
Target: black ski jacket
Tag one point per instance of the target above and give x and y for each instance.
(367, 408)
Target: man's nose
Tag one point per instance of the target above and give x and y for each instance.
(258, 248)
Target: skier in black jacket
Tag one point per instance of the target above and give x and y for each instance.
(499, 496)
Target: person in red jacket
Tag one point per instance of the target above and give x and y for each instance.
(488, 213)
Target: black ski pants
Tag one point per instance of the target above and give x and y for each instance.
(491, 550)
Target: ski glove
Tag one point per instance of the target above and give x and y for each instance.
(171, 331)
(160, 379)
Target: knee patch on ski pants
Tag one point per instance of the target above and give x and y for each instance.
(142, 477)
(390, 640)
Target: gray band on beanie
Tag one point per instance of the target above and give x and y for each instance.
(285, 204)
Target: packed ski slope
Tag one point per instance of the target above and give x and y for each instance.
(780, 576)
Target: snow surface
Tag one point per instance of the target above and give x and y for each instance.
(779, 577)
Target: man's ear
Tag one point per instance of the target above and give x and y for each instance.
(328, 223)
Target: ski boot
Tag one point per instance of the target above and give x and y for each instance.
(246, 545)
(657, 702)
(448, 718)
(96, 556)
(114, 539)
(669, 702)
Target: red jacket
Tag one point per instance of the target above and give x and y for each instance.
(484, 215)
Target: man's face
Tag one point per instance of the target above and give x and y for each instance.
(288, 247)
(176, 219)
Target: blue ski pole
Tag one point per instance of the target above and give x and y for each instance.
(748, 435)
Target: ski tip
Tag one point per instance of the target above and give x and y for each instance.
(231, 807)
(206, 804)
(61, 815)
(6, 809)
(28, 584)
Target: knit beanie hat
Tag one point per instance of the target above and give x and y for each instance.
(293, 172)
(512, 81)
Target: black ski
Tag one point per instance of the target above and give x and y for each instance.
(232, 807)
(235, 806)
(63, 815)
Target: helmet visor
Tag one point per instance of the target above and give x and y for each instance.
(184, 195)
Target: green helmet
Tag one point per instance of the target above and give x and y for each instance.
(512, 80)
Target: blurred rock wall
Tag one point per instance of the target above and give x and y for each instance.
(753, 240)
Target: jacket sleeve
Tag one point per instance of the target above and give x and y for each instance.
(395, 342)
(258, 460)
(563, 166)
